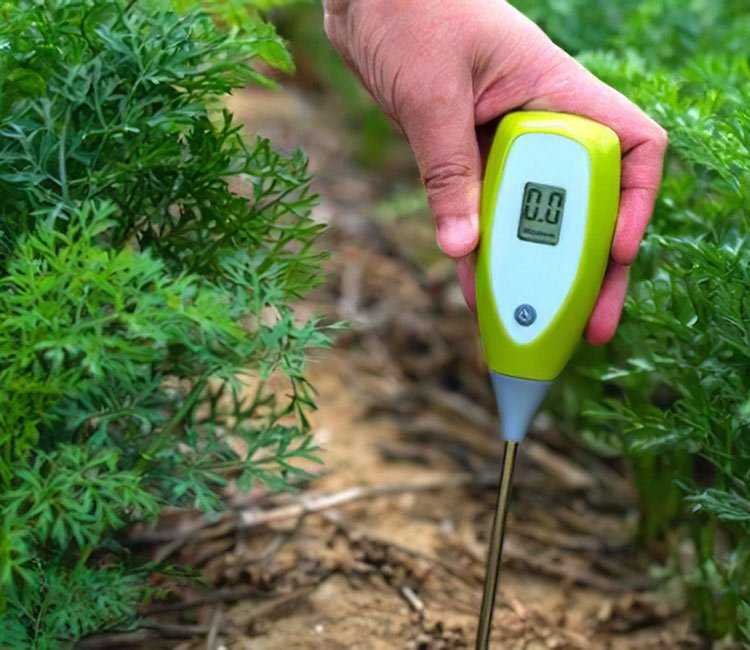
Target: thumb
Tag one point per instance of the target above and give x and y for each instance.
(444, 142)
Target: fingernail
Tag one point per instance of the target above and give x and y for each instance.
(457, 236)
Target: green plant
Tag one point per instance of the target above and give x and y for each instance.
(680, 365)
(140, 297)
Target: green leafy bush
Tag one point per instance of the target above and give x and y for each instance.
(681, 362)
(138, 295)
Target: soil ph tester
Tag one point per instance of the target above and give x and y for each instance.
(549, 206)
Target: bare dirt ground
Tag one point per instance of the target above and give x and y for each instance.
(385, 549)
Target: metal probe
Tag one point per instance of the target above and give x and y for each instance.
(495, 551)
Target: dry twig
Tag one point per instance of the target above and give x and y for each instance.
(148, 631)
(213, 633)
(412, 599)
(311, 503)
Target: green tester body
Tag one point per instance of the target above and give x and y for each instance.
(549, 206)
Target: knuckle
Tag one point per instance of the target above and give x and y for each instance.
(662, 137)
(658, 135)
(440, 176)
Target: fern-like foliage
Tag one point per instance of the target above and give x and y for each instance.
(139, 294)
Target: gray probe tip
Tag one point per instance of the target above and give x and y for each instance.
(517, 401)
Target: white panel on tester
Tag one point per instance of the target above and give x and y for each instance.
(538, 230)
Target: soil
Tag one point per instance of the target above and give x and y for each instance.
(385, 548)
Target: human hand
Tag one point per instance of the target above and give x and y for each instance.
(445, 71)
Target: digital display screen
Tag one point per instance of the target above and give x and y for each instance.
(542, 211)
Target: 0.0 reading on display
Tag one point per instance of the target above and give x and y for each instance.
(541, 213)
